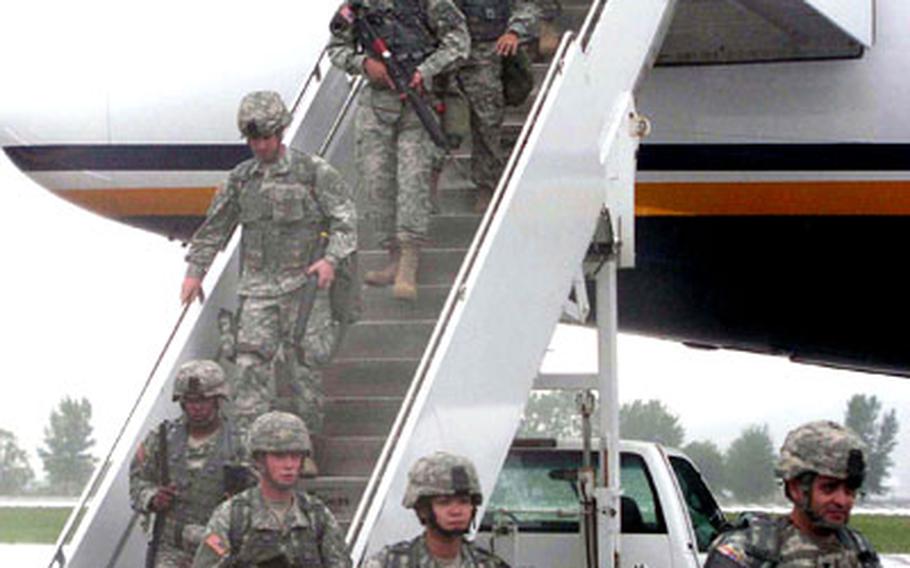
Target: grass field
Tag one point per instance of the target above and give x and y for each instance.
(36, 525)
(889, 534)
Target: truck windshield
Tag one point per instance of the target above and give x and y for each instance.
(707, 518)
(535, 491)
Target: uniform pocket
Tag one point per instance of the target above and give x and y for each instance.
(287, 202)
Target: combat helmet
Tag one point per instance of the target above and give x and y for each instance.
(202, 378)
(822, 448)
(262, 114)
(280, 432)
(442, 473)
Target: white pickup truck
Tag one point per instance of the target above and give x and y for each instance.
(668, 517)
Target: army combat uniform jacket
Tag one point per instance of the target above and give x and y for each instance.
(393, 151)
(245, 532)
(765, 541)
(283, 207)
(201, 476)
(414, 554)
(427, 35)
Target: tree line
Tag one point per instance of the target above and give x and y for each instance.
(65, 454)
(745, 470)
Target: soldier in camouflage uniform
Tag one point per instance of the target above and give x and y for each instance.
(822, 467)
(274, 524)
(204, 456)
(287, 202)
(497, 28)
(393, 150)
(444, 492)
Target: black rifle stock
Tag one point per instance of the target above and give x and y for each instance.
(307, 299)
(164, 479)
(377, 48)
(282, 364)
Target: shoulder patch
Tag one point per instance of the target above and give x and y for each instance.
(217, 545)
(733, 553)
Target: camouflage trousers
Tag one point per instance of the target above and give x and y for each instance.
(169, 556)
(394, 155)
(481, 84)
(267, 375)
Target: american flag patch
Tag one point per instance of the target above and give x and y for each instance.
(733, 553)
(214, 542)
(347, 13)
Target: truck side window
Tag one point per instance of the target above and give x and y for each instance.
(638, 493)
(527, 494)
(707, 518)
(533, 491)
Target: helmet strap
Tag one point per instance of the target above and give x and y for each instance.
(429, 518)
(805, 504)
(451, 533)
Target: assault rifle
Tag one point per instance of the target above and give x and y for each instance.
(164, 479)
(308, 298)
(377, 48)
(282, 363)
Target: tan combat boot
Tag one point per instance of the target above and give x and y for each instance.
(406, 278)
(548, 40)
(384, 276)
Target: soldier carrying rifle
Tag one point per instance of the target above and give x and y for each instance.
(186, 467)
(395, 149)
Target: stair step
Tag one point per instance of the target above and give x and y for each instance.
(374, 339)
(379, 304)
(460, 200)
(359, 417)
(340, 494)
(368, 377)
(437, 265)
(347, 456)
(446, 231)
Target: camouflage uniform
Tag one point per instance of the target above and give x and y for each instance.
(307, 536)
(393, 150)
(414, 554)
(766, 541)
(817, 448)
(283, 207)
(245, 531)
(480, 79)
(438, 474)
(201, 473)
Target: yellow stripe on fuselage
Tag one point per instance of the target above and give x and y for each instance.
(143, 202)
(652, 199)
(880, 197)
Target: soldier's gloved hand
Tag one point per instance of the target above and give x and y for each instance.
(507, 44)
(163, 498)
(417, 82)
(324, 270)
(377, 73)
(191, 289)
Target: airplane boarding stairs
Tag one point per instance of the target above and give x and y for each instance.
(453, 370)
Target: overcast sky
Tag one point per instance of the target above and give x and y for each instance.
(87, 303)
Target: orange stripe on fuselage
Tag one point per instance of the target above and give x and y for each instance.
(652, 199)
(145, 202)
(773, 198)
